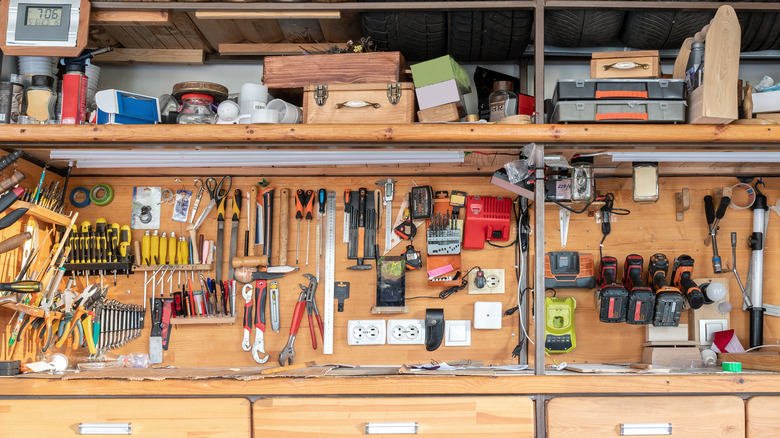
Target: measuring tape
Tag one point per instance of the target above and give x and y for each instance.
(330, 270)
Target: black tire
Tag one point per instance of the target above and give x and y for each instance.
(768, 33)
(582, 27)
(418, 35)
(749, 22)
(656, 30)
(489, 35)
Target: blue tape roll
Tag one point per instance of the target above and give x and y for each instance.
(77, 191)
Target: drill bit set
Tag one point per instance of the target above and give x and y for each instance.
(443, 235)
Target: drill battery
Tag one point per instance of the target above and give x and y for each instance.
(641, 299)
(569, 269)
(668, 300)
(612, 297)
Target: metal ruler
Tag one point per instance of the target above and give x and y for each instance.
(330, 271)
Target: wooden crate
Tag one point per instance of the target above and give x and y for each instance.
(648, 65)
(358, 103)
(342, 68)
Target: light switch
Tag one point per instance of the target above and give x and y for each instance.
(708, 328)
(457, 333)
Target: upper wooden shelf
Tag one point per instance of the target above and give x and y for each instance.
(43, 214)
(431, 136)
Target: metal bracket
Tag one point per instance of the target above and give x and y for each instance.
(320, 94)
(394, 92)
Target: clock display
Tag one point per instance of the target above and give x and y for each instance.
(43, 16)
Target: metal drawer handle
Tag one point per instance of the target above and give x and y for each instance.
(631, 429)
(356, 104)
(625, 65)
(105, 428)
(399, 428)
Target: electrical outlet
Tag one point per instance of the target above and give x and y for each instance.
(494, 282)
(406, 331)
(366, 332)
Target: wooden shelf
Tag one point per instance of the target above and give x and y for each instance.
(433, 136)
(204, 320)
(44, 214)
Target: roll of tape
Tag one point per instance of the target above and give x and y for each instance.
(76, 192)
(108, 194)
(732, 367)
(751, 194)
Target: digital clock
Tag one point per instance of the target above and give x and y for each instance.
(44, 27)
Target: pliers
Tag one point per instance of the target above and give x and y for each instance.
(246, 292)
(311, 306)
(261, 296)
(287, 355)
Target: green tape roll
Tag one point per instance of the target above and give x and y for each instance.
(108, 194)
(732, 367)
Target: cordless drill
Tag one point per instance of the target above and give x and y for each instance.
(641, 299)
(612, 296)
(668, 299)
(681, 279)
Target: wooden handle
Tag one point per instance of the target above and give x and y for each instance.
(194, 238)
(137, 252)
(14, 242)
(8, 183)
(284, 225)
(243, 262)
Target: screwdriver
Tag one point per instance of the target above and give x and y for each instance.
(21, 286)
(154, 248)
(172, 248)
(146, 242)
(309, 207)
(124, 242)
(301, 199)
(163, 249)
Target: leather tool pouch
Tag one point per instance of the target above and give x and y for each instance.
(434, 328)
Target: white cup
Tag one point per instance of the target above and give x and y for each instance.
(288, 113)
(252, 96)
(265, 115)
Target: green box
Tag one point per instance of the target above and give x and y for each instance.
(438, 70)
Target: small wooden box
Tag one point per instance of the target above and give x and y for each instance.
(442, 113)
(380, 103)
(646, 64)
(342, 68)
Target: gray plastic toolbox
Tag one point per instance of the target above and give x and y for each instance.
(601, 89)
(619, 111)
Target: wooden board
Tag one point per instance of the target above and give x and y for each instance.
(755, 360)
(344, 68)
(435, 416)
(601, 417)
(762, 417)
(175, 418)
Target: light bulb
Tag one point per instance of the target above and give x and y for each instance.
(715, 291)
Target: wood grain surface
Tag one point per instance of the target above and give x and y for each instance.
(602, 417)
(762, 417)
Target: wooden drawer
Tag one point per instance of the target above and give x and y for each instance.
(452, 417)
(762, 417)
(602, 417)
(169, 417)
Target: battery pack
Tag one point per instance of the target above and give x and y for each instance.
(613, 303)
(668, 309)
(569, 269)
(641, 306)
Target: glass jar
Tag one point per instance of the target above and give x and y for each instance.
(196, 110)
(503, 101)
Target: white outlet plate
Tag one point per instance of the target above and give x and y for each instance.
(487, 315)
(366, 332)
(494, 282)
(406, 331)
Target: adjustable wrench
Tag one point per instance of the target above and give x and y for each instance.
(287, 355)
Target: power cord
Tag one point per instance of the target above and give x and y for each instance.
(446, 293)
(606, 220)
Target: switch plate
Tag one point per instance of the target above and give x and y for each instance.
(487, 315)
(366, 332)
(708, 327)
(406, 331)
(457, 333)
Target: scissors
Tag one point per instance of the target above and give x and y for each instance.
(217, 192)
(199, 186)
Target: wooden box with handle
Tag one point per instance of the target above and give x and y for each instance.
(378, 103)
(638, 64)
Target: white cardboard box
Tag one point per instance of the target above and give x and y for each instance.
(437, 94)
(767, 102)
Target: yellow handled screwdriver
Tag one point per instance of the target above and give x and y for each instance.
(146, 243)
(172, 248)
(154, 248)
(163, 256)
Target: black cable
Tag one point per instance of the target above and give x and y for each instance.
(560, 204)
(606, 221)
(443, 295)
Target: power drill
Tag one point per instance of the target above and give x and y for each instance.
(668, 300)
(612, 297)
(681, 279)
(641, 299)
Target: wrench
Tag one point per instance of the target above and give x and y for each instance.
(287, 355)
(258, 348)
(246, 292)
